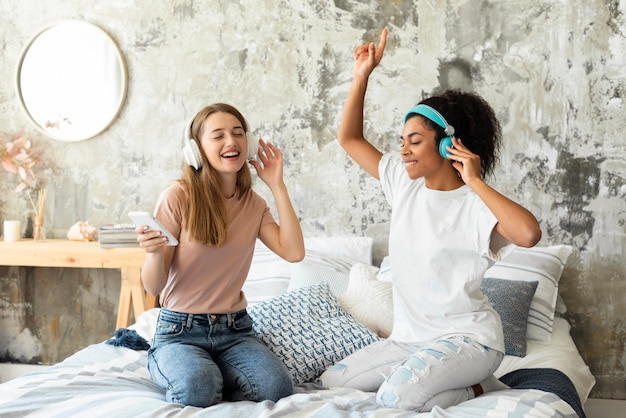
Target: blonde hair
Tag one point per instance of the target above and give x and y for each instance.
(207, 220)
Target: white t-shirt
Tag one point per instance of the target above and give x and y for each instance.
(439, 246)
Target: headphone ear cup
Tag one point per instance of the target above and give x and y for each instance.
(253, 146)
(192, 154)
(445, 142)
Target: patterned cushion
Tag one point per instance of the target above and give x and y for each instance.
(542, 264)
(511, 299)
(308, 330)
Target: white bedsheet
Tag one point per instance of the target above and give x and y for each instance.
(106, 381)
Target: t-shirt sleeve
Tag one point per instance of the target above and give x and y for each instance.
(388, 172)
(497, 245)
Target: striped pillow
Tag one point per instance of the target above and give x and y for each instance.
(541, 264)
(307, 273)
(270, 275)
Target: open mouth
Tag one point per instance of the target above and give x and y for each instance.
(230, 154)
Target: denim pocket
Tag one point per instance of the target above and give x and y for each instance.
(243, 323)
(168, 329)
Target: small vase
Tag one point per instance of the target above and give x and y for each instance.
(39, 234)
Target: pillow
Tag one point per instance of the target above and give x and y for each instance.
(306, 273)
(357, 248)
(369, 300)
(541, 264)
(511, 299)
(560, 308)
(308, 330)
(384, 274)
(145, 324)
(561, 354)
(268, 275)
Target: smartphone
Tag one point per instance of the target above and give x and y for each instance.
(146, 218)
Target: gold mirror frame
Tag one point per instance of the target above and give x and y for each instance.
(72, 80)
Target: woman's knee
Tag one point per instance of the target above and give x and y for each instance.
(201, 388)
(253, 372)
(196, 383)
(275, 387)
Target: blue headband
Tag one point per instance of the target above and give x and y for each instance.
(433, 115)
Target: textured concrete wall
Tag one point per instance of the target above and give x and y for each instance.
(553, 70)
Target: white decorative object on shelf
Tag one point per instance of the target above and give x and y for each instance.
(12, 231)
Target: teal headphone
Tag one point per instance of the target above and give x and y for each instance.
(433, 115)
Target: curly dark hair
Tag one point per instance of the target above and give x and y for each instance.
(474, 122)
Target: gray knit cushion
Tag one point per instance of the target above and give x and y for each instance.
(511, 299)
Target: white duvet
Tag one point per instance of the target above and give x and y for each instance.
(106, 381)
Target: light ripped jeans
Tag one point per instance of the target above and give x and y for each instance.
(408, 375)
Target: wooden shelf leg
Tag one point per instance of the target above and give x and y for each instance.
(124, 304)
(151, 301)
(131, 296)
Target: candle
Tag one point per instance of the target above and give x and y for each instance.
(12, 231)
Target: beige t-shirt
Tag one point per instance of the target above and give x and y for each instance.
(205, 278)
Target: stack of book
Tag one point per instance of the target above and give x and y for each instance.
(117, 235)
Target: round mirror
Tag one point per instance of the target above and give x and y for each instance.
(72, 80)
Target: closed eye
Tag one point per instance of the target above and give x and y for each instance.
(413, 142)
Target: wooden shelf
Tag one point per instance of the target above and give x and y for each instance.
(76, 254)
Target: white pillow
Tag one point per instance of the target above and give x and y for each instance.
(561, 354)
(357, 248)
(268, 276)
(542, 264)
(384, 274)
(307, 273)
(328, 261)
(308, 330)
(369, 300)
(145, 325)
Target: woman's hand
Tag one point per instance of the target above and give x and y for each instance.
(270, 169)
(465, 161)
(150, 241)
(367, 56)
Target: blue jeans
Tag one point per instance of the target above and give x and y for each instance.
(202, 359)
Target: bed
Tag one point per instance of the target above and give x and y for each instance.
(314, 313)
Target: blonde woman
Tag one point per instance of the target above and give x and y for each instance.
(204, 349)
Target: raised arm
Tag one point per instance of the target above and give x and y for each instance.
(350, 134)
(284, 238)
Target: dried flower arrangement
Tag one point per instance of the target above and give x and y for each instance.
(20, 157)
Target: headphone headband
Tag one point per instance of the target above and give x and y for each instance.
(433, 115)
(187, 131)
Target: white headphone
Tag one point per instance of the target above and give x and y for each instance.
(192, 154)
